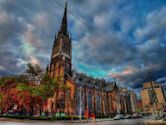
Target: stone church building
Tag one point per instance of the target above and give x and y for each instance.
(78, 93)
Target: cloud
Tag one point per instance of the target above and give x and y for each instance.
(125, 72)
(34, 60)
(2, 68)
(154, 26)
(10, 26)
(109, 37)
(114, 49)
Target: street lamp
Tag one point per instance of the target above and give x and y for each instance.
(80, 102)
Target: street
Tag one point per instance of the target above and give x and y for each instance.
(119, 122)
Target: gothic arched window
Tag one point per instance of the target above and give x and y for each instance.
(90, 102)
(105, 103)
(68, 94)
(110, 102)
(98, 103)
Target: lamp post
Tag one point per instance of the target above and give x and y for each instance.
(80, 102)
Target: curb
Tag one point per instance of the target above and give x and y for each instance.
(156, 122)
(62, 121)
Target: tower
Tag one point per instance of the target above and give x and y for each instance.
(61, 57)
(60, 66)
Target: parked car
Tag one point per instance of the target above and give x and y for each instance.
(118, 117)
(164, 119)
(136, 115)
(160, 116)
(128, 116)
(153, 117)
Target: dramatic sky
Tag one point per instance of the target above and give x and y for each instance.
(120, 39)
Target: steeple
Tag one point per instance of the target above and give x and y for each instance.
(61, 58)
(115, 84)
(63, 29)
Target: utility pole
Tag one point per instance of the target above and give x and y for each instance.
(80, 102)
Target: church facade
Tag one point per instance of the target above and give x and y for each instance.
(82, 94)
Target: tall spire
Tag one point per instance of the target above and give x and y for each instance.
(63, 28)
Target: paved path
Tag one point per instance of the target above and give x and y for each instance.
(99, 122)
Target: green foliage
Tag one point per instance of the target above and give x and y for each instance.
(30, 69)
(139, 110)
(1, 99)
(63, 86)
(36, 91)
(33, 70)
(22, 79)
(48, 87)
(44, 90)
(1, 81)
(24, 93)
(23, 87)
(6, 81)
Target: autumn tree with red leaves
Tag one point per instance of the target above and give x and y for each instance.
(23, 97)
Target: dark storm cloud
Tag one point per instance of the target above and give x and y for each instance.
(103, 50)
(10, 26)
(26, 27)
(10, 59)
(116, 49)
(123, 37)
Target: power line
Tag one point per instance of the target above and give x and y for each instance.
(87, 26)
(78, 19)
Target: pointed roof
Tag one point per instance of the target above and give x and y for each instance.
(115, 86)
(63, 28)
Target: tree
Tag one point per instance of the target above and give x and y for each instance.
(23, 78)
(37, 94)
(49, 86)
(21, 95)
(1, 100)
(34, 73)
(2, 81)
(1, 94)
(6, 83)
(30, 97)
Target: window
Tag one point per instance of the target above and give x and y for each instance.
(98, 103)
(90, 102)
(68, 94)
(105, 103)
(152, 96)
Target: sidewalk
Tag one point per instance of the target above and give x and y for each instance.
(155, 122)
(64, 121)
(89, 120)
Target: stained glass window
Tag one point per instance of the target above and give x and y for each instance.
(90, 102)
(98, 108)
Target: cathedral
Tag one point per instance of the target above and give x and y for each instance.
(79, 94)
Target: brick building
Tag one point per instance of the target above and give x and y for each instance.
(83, 93)
(153, 98)
(139, 105)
